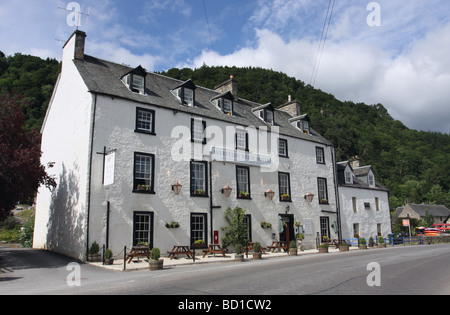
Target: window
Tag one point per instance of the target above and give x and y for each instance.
(143, 228)
(145, 121)
(320, 155)
(324, 227)
(356, 230)
(303, 125)
(198, 128)
(248, 224)
(377, 204)
(379, 229)
(243, 182)
(282, 147)
(355, 205)
(227, 106)
(199, 179)
(198, 227)
(137, 84)
(348, 177)
(323, 190)
(371, 180)
(185, 93)
(284, 185)
(269, 116)
(241, 140)
(144, 166)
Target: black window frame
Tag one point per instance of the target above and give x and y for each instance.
(205, 228)
(286, 155)
(322, 198)
(236, 139)
(152, 179)
(191, 172)
(193, 120)
(289, 187)
(238, 190)
(152, 131)
(323, 155)
(151, 227)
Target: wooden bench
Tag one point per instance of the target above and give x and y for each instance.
(138, 251)
(180, 249)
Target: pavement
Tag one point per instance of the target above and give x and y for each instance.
(142, 263)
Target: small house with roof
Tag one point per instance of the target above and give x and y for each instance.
(364, 202)
(440, 213)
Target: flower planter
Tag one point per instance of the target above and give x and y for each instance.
(292, 251)
(323, 249)
(95, 257)
(239, 257)
(156, 264)
(362, 246)
(256, 256)
(343, 248)
(381, 245)
(109, 261)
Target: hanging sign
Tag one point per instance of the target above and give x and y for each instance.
(108, 178)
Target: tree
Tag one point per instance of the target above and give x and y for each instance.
(236, 232)
(21, 172)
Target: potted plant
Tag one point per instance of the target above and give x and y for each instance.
(155, 263)
(371, 242)
(285, 197)
(344, 247)
(362, 243)
(199, 192)
(172, 225)
(323, 248)
(256, 250)
(243, 194)
(292, 248)
(300, 237)
(94, 255)
(108, 257)
(239, 252)
(381, 242)
(199, 244)
(143, 187)
(266, 225)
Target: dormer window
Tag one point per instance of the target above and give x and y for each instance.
(348, 177)
(224, 103)
(135, 80)
(302, 123)
(185, 93)
(265, 113)
(371, 180)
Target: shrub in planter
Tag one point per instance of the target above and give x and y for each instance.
(362, 243)
(381, 242)
(293, 248)
(94, 255)
(239, 252)
(371, 242)
(344, 247)
(155, 263)
(256, 250)
(108, 257)
(323, 248)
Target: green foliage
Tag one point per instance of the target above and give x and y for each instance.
(26, 235)
(155, 254)
(94, 248)
(428, 219)
(239, 249)
(108, 253)
(236, 231)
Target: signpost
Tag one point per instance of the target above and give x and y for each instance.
(407, 223)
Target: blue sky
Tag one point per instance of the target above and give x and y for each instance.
(404, 63)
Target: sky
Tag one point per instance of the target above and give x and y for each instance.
(393, 52)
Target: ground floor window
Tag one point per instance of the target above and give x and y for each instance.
(143, 228)
(324, 227)
(356, 230)
(198, 227)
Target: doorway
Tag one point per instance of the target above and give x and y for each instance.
(287, 232)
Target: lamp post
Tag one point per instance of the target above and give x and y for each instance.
(269, 194)
(309, 197)
(177, 188)
(227, 191)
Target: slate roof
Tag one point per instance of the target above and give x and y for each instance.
(103, 77)
(435, 210)
(357, 172)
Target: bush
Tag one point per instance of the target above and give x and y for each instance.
(293, 244)
(26, 235)
(155, 254)
(257, 247)
(362, 241)
(108, 253)
(94, 248)
(239, 249)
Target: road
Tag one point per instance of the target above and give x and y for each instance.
(402, 270)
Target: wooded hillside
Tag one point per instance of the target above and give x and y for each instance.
(413, 165)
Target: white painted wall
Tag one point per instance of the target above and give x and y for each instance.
(60, 223)
(367, 219)
(115, 123)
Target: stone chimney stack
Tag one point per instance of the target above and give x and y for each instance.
(355, 162)
(229, 85)
(292, 107)
(75, 45)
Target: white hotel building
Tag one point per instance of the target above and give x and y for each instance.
(121, 139)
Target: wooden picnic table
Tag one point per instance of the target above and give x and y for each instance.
(250, 247)
(214, 249)
(138, 251)
(278, 245)
(334, 243)
(180, 249)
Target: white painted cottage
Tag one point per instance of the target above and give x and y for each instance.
(364, 203)
(122, 140)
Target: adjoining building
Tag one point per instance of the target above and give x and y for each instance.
(141, 157)
(440, 213)
(364, 203)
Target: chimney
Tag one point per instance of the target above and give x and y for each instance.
(355, 162)
(229, 85)
(292, 107)
(76, 44)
